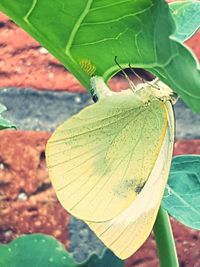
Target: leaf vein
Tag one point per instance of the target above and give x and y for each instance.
(26, 17)
(77, 26)
(118, 18)
(102, 40)
(184, 202)
(110, 5)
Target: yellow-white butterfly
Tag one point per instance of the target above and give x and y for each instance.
(109, 163)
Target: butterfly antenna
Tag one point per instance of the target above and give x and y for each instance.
(155, 81)
(153, 84)
(131, 84)
(137, 75)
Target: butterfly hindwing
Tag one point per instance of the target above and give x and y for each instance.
(125, 233)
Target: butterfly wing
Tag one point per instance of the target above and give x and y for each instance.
(128, 231)
(100, 159)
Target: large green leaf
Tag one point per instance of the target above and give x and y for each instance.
(187, 18)
(35, 250)
(182, 194)
(4, 124)
(136, 31)
(108, 259)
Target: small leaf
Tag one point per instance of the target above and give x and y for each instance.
(107, 259)
(187, 18)
(5, 124)
(35, 250)
(182, 194)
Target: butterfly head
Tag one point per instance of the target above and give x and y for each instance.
(148, 92)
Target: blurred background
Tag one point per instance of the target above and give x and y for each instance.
(39, 94)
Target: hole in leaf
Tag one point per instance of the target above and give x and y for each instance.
(119, 81)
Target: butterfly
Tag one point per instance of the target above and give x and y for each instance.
(109, 164)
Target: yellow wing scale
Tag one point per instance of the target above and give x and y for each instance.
(128, 231)
(109, 166)
(95, 159)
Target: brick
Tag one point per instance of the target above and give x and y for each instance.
(27, 201)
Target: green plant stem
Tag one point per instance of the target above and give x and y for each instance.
(165, 240)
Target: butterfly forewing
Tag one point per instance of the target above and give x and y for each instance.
(100, 160)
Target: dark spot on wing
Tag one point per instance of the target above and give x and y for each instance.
(124, 188)
(139, 187)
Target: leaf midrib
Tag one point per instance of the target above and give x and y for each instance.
(77, 26)
(182, 200)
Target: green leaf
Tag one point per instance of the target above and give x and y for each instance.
(182, 194)
(87, 35)
(187, 18)
(4, 124)
(35, 250)
(107, 259)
